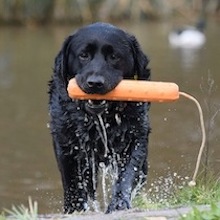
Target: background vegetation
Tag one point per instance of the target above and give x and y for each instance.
(82, 11)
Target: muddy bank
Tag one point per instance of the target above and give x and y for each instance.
(133, 214)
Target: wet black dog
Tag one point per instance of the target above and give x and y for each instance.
(86, 133)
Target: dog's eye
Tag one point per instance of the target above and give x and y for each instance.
(113, 57)
(84, 56)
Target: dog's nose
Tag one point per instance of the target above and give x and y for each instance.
(96, 82)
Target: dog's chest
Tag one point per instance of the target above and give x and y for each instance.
(106, 136)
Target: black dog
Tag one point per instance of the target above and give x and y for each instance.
(86, 133)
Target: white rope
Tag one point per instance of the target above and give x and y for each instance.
(193, 181)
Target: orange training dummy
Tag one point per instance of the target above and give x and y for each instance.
(131, 90)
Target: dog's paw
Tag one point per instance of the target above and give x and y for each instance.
(118, 204)
(75, 206)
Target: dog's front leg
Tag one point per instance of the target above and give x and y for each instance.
(127, 176)
(72, 170)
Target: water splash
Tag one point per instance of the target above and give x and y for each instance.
(109, 172)
(110, 175)
(139, 186)
(162, 188)
(93, 173)
(104, 192)
(103, 134)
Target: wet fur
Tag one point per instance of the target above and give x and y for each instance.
(78, 134)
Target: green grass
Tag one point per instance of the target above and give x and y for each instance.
(22, 212)
(205, 192)
(212, 214)
(142, 202)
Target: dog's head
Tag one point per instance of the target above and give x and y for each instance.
(99, 56)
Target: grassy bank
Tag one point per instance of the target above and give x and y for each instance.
(206, 192)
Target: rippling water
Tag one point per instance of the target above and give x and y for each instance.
(28, 166)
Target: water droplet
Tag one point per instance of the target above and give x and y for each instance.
(118, 119)
(139, 104)
(86, 119)
(101, 164)
(107, 125)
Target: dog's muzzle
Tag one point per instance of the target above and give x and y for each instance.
(96, 106)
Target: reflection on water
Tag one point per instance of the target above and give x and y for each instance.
(187, 57)
(27, 162)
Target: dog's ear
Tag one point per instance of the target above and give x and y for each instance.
(141, 71)
(61, 61)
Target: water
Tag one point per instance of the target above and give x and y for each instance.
(28, 166)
